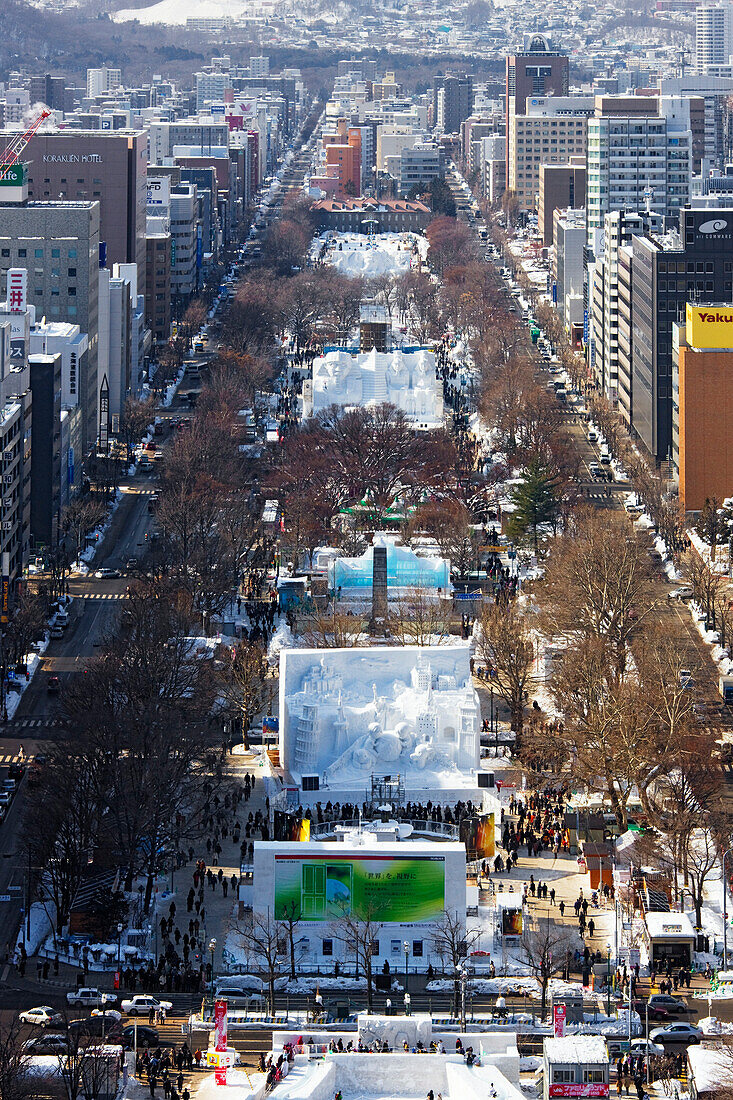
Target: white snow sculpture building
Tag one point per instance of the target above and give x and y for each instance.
(360, 379)
(348, 714)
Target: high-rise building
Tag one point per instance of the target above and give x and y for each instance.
(569, 240)
(158, 279)
(101, 81)
(108, 167)
(48, 89)
(541, 71)
(694, 264)
(619, 227)
(713, 35)
(45, 379)
(702, 411)
(562, 187)
(552, 130)
(58, 244)
(452, 102)
(211, 88)
(639, 156)
(259, 66)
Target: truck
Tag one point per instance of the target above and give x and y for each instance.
(725, 687)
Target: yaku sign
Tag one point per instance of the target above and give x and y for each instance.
(72, 158)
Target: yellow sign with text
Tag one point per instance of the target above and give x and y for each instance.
(709, 326)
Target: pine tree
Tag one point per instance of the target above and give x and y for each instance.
(536, 502)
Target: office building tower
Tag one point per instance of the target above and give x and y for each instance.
(694, 264)
(562, 187)
(713, 35)
(552, 130)
(158, 279)
(540, 71)
(58, 244)
(48, 89)
(211, 88)
(108, 167)
(45, 381)
(568, 259)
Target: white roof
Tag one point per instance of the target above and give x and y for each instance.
(577, 1048)
(507, 900)
(669, 926)
(709, 1067)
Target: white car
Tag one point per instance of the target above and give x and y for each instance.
(142, 1003)
(43, 1016)
(90, 998)
(111, 1014)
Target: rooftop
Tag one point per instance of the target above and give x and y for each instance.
(577, 1048)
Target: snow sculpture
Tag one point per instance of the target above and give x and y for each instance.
(346, 714)
(406, 570)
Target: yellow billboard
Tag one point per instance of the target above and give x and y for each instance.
(709, 326)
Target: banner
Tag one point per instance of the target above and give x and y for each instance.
(220, 1025)
(559, 1015)
(477, 833)
(385, 888)
(511, 922)
(597, 1089)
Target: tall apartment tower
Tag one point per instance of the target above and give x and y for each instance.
(101, 81)
(713, 35)
(540, 71)
(639, 156)
(452, 102)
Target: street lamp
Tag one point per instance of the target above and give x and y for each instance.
(212, 949)
(726, 853)
(608, 978)
(119, 937)
(406, 949)
(462, 976)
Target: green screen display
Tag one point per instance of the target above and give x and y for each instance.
(380, 888)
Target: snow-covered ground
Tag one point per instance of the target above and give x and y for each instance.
(383, 254)
(176, 12)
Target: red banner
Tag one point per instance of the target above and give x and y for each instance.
(220, 1025)
(579, 1090)
(559, 1014)
(220, 1075)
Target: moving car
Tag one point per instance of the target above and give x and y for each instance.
(43, 1016)
(146, 1036)
(53, 687)
(673, 1005)
(106, 573)
(96, 1027)
(684, 592)
(89, 997)
(673, 1034)
(142, 1003)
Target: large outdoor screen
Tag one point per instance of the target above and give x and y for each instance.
(380, 888)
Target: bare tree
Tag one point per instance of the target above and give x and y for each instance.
(544, 949)
(506, 646)
(265, 939)
(421, 617)
(451, 943)
(359, 934)
(15, 1081)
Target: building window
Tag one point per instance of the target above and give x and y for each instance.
(55, 253)
(72, 272)
(593, 1076)
(5, 252)
(22, 253)
(71, 310)
(72, 291)
(417, 949)
(39, 253)
(327, 947)
(563, 1076)
(72, 253)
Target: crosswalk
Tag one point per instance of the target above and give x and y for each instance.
(34, 723)
(105, 595)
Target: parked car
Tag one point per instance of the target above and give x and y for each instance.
(56, 632)
(108, 1013)
(142, 1003)
(43, 1016)
(88, 997)
(676, 1033)
(46, 1044)
(53, 687)
(146, 1036)
(656, 1015)
(106, 573)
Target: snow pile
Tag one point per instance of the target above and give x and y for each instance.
(517, 986)
(98, 534)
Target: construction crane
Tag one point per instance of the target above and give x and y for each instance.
(11, 153)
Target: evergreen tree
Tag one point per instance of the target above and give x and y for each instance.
(536, 502)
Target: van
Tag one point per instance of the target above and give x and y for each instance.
(592, 435)
(605, 456)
